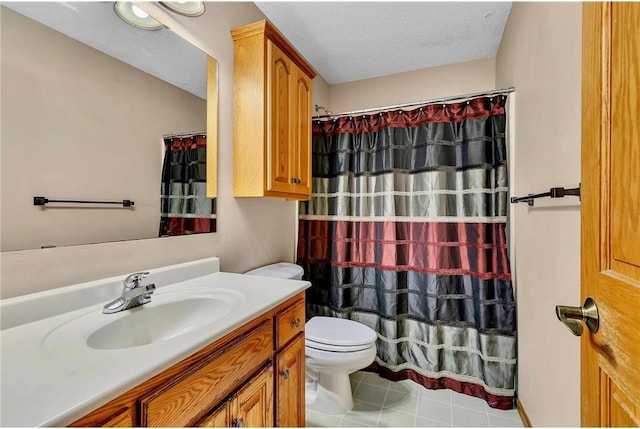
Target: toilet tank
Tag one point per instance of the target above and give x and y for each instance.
(282, 270)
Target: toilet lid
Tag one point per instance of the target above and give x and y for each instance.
(333, 331)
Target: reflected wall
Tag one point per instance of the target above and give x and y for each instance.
(78, 124)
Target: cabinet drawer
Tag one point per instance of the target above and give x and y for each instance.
(184, 398)
(289, 323)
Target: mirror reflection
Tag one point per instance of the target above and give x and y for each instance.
(107, 112)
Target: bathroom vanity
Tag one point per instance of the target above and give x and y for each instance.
(228, 383)
(215, 349)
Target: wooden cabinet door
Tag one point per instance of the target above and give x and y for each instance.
(124, 418)
(611, 212)
(218, 419)
(301, 117)
(280, 78)
(253, 405)
(290, 405)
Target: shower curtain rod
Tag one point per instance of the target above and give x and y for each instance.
(185, 134)
(415, 103)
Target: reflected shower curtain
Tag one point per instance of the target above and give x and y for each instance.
(405, 232)
(185, 208)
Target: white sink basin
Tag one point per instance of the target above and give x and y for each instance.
(167, 316)
(144, 325)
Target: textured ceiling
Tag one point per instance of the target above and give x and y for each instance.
(161, 53)
(344, 41)
(347, 41)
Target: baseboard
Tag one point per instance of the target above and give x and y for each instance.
(523, 415)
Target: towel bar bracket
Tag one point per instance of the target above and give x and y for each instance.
(557, 192)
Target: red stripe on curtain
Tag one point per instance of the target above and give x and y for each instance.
(452, 112)
(193, 142)
(185, 226)
(494, 401)
(475, 249)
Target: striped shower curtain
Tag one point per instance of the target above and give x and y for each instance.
(405, 232)
(184, 206)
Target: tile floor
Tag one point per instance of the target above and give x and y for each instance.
(383, 403)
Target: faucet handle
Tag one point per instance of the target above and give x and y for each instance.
(133, 280)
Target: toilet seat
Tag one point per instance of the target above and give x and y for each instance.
(338, 335)
(335, 349)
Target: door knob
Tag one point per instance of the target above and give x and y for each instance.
(571, 316)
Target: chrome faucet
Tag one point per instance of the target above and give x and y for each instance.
(133, 294)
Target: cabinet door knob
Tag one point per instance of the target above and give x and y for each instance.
(284, 373)
(237, 423)
(295, 323)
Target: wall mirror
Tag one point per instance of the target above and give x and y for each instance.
(89, 104)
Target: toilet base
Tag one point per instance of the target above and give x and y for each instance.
(329, 388)
(332, 394)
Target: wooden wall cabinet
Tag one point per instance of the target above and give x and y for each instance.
(271, 114)
(230, 383)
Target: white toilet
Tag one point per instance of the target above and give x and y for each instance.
(334, 348)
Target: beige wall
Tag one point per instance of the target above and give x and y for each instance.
(424, 84)
(85, 126)
(540, 56)
(252, 232)
(321, 94)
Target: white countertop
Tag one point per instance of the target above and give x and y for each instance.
(51, 380)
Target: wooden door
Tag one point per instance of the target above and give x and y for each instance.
(290, 405)
(253, 405)
(611, 212)
(281, 78)
(301, 116)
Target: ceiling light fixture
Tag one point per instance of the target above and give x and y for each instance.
(186, 8)
(133, 15)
